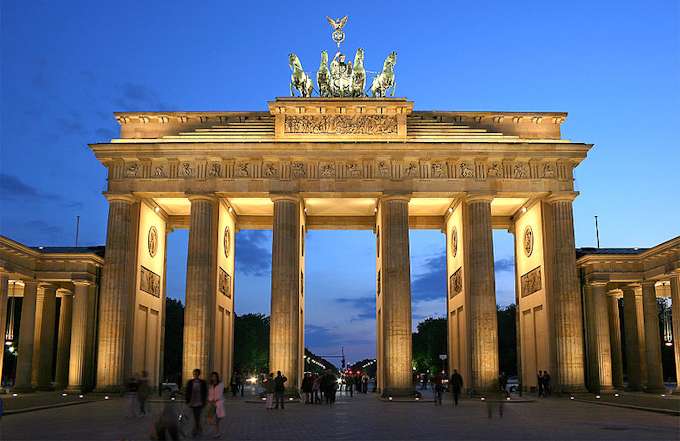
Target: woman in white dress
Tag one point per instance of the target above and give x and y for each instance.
(216, 399)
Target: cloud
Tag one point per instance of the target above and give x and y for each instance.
(14, 189)
(138, 97)
(364, 307)
(430, 284)
(504, 264)
(253, 248)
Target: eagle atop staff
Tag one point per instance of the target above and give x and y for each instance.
(337, 24)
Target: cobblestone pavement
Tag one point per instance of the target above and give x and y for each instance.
(363, 418)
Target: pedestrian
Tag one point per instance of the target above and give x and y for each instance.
(131, 388)
(307, 387)
(196, 395)
(279, 388)
(364, 383)
(241, 382)
(456, 386)
(216, 401)
(438, 386)
(350, 385)
(539, 381)
(503, 383)
(268, 384)
(547, 388)
(168, 422)
(143, 392)
(316, 387)
(233, 384)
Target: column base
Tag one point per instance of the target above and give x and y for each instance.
(655, 389)
(23, 389)
(74, 390)
(110, 389)
(400, 393)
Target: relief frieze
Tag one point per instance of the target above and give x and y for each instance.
(456, 282)
(341, 124)
(531, 282)
(150, 282)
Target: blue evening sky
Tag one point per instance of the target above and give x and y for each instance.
(67, 65)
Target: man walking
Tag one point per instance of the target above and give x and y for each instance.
(279, 388)
(456, 386)
(196, 393)
(438, 381)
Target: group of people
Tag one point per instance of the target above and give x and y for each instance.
(205, 397)
(543, 381)
(274, 390)
(455, 386)
(319, 388)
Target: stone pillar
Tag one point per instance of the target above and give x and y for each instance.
(26, 337)
(45, 349)
(630, 319)
(64, 340)
(284, 341)
(481, 286)
(4, 295)
(640, 315)
(599, 352)
(396, 302)
(675, 313)
(564, 293)
(78, 354)
(652, 340)
(199, 312)
(115, 298)
(615, 340)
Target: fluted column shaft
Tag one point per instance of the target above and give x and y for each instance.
(652, 339)
(565, 296)
(26, 337)
(46, 348)
(396, 302)
(630, 320)
(77, 351)
(599, 348)
(615, 341)
(284, 341)
(201, 279)
(675, 312)
(4, 296)
(64, 340)
(481, 286)
(114, 305)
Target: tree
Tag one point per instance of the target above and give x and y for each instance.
(429, 341)
(174, 331)
(251, 343)
(507, 339)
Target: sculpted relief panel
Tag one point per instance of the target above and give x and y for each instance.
(366, 168)
(341, 124)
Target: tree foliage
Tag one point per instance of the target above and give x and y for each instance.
(174, 331)
(429, 341)
(251, 343)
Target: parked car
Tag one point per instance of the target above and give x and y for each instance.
(170, 388)
(513, 385)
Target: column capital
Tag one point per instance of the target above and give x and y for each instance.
(598, 283)
(648, 283)
(32, 282)
(478, 197)
(210, 197)
(291, 197)
(120, 197)
(561, 196)
(387, 197)
(616, 292)
(82, 282)
(64, 291)
(47, 285)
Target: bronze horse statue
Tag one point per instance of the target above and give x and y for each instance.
(299, 79)
(358, 75)
(385, 79)
(323, 76)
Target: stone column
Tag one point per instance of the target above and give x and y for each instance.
(64, 340)
(599, 352)
(652, 340)
(284, 350)
(46, 348)
(565, 293)
(675, 313)
(115, 298)
(396, 302)
(615, 340)
(199, 313)
(80, 319)
(4, 295)
(630, 319)
(26, 336)
(481, 286)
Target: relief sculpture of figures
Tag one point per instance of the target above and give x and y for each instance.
(299, 80)
(323, 76)
(385, 79)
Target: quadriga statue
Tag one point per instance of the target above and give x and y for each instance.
(385, 79)
(299, 80)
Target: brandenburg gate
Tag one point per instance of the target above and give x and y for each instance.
(341, 163)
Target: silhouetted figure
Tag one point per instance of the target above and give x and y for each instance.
(547, 388)
(456, 386)
(279, 389)
(196, 395)
(539, 381)
(438, 381)
(307, 384)
(503, 383)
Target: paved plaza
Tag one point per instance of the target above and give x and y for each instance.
(363, 418)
